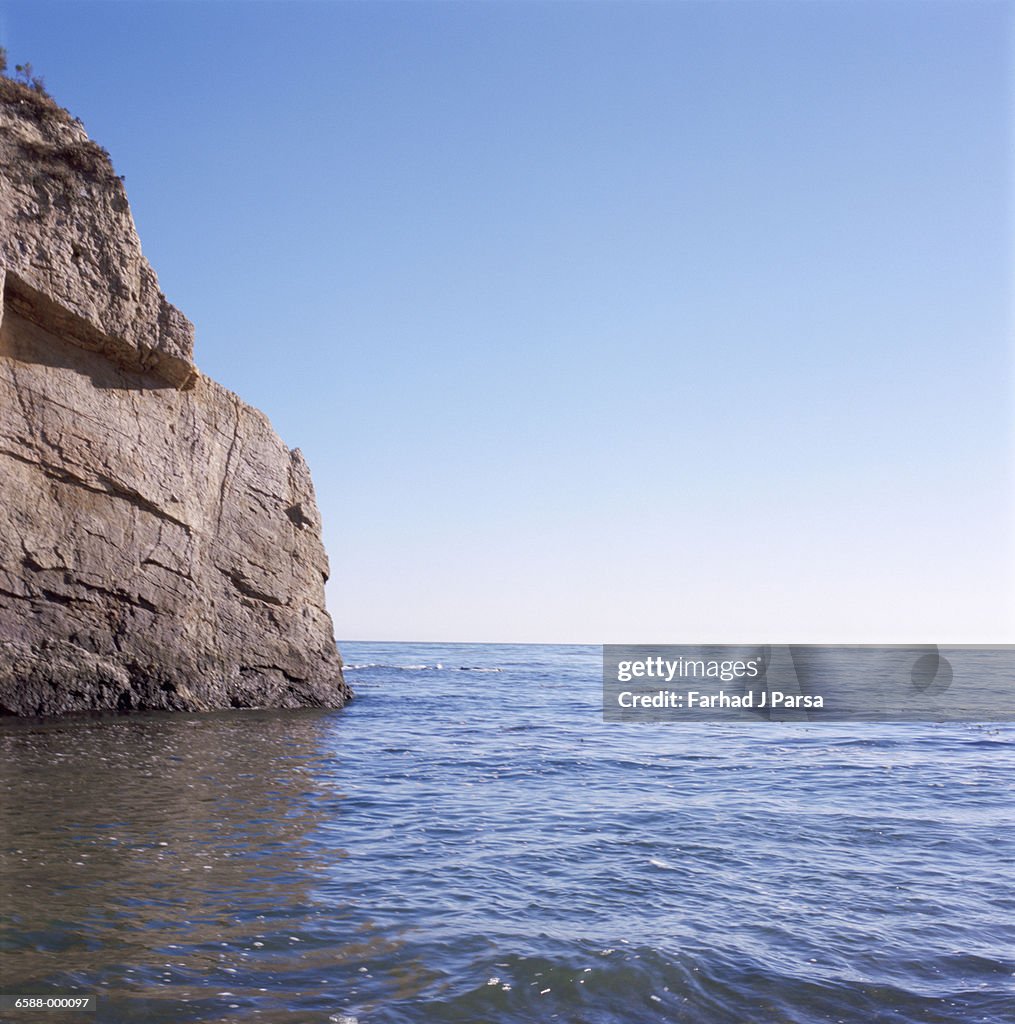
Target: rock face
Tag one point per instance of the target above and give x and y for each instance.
(159, 545)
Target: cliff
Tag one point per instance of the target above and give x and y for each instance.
(160, 546)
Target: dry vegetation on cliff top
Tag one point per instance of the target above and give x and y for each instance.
(61, 154)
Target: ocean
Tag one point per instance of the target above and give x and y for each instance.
(469, 841)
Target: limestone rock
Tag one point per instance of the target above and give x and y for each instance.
(159, 545)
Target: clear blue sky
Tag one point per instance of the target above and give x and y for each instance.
(596, 322)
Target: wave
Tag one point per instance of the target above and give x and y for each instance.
(618, 985)
(396, 668)
(438, 667)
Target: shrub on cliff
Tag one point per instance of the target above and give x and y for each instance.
(24, 74)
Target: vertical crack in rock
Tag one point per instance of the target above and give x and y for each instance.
(228, 465)
(160, 546)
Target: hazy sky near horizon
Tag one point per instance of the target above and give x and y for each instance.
(599, 322)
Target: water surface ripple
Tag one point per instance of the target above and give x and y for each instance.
(469, 842)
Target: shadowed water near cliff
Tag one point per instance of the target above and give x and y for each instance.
(167, 860)
(468, 841)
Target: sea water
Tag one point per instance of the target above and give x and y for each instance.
(469, 841)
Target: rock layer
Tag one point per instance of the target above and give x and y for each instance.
(159, 544)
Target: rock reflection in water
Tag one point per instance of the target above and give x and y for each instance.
(171, 864)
